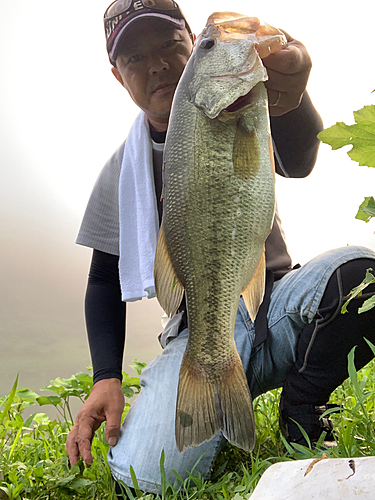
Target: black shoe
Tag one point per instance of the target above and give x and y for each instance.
(308, 417)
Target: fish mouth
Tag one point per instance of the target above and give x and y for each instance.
(240, 103)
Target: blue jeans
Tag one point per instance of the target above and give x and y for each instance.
(149, 426)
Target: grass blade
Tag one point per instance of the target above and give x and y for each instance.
(353, 373)
(135, 483)
(15, 442)
(354, 380)
(9, 400)
(304, 433)
(163, 476)
(372, 346)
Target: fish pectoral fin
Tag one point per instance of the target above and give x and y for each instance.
(246, 152)
(206, 405)
(169, 290)
(254, 292)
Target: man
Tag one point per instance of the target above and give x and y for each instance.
(304, 348)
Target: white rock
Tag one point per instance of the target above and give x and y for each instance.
(328, 478)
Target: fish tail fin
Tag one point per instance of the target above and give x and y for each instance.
(207, 405)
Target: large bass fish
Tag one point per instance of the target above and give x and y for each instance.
(218, 211)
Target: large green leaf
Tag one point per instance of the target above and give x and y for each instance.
(361, 136)
(337, 136)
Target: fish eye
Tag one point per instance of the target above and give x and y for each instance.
(207, 43)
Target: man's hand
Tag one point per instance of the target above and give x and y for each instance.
(288, 72)
(106, 402)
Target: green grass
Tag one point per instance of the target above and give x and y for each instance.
(34, 465)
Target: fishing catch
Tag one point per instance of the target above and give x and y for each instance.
(218, 211)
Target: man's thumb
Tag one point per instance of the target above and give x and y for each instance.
(113, 431)
(112, 441)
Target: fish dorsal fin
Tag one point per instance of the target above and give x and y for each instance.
(246, 152)
(169, 289)
(233, 22)
(254, 292)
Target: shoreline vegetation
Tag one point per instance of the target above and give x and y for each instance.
(35, 466)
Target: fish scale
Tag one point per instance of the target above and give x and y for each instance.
(218, 211)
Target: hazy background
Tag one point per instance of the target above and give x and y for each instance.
(63, 114)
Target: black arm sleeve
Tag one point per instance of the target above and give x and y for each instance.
(295, 138)
(105, 316)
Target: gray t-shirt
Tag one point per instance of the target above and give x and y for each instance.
(100, 224)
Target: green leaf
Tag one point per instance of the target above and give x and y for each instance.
(371, 345)
(138, 366)
(304, 433)
(9, 400)
(163, 475)
(86, 378)
(363, 152)
(26, 394)
(357, 291)
(365, 117)
(237, 496)
(80, 482)
(29, 420)
(367, 210)
(337, 136)
(367, 305)
(41, 418)
(131, 381)
(16, 439)
(361, 136)
(48, 400)
(135, 482)
(126, 492)
(127, 391)
(239, 488)
(353, 374)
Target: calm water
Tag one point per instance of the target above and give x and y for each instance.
(42, 328)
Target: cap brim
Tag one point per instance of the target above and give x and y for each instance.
(179, 23)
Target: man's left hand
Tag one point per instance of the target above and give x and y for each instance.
(288, 72)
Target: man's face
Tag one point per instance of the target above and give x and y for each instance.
(152, 57)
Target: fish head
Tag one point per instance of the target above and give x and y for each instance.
(226, 62)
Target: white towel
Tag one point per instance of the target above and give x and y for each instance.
(139, 220)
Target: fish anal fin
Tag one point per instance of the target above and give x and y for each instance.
(246, 152)
(207, 405)
(169, 290)
(254, 291)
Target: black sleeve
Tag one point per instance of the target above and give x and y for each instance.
(295, 139)
(105, 316)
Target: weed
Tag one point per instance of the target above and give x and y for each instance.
(34, 464)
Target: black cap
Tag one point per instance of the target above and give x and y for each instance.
(121, 13)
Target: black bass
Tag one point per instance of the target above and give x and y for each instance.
(218, 211)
